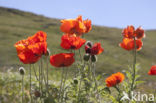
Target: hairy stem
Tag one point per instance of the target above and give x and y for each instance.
(134, 65)
(75, 74)
(47, 75)
(80, 55)
(155, 92)
(64, 85)
(119, 95)
(61, 84)
(35, 73)
(90, 77)
(30, 83)
(22, 88)
(80, 83)
(96, 86)
(41, 76)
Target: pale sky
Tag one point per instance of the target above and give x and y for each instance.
(111, 13)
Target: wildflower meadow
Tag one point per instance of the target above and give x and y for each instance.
(77, 80)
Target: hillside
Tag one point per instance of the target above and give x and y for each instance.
(16, 25)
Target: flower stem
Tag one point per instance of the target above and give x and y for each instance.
(134, 66)
(90, 77)
(96, 86)
(47, 75)
(64, 85)
(30, 83)
(155, 92)
(80, 55)
(119, 96)
(61, 84)
(41, 77)
(75, 74)
(79, 92)
(35, 73)
(22, 88)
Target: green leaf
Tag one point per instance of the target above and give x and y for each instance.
(139, 82)
(113, 99)
(98, 77)
(137, 76)
(129, 75)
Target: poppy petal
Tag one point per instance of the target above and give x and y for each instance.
(128, 44)
(139, 33)
(62, 59)
(96, 49)
(152, 71)
(114, 79)
(129, 32)
(72, 42)
(31, 49)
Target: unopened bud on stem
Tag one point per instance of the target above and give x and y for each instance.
(86, 57)
(22, 70)
(37, 93)
(75, 81)
(94, 58)
(89, 43)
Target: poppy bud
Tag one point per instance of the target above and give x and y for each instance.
(86, 57)
(37, 93)
(93, 58)
(89, 43)
(88, 49)
(22, 70)
(75, 81)
(48, 52)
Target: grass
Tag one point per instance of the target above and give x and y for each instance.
(16, 25)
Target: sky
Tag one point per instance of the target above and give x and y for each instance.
(110, 13)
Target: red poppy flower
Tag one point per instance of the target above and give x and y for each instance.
(75, 26)
(88, 25)
(39, 39)
(128, 44)
(26, 55)
(139, 33)
(152, 70)
(114, 79)
(30, 50)
(38, 48)
(68, 25)
(40, 36)
(71, 42)
(95, 49)
(62, 59)
(129, 32)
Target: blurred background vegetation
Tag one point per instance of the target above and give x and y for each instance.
(16, 25)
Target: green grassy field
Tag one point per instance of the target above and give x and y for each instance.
(16, 25)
